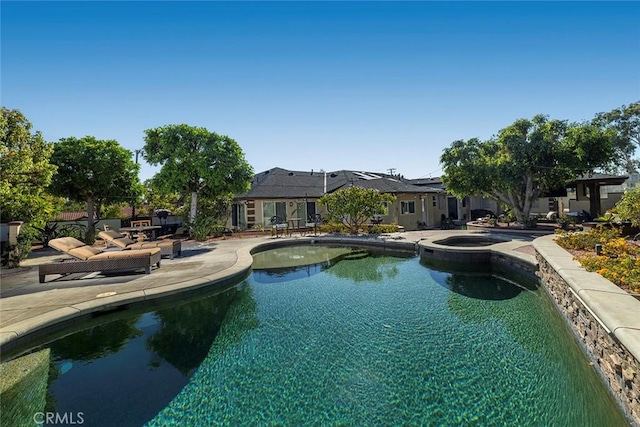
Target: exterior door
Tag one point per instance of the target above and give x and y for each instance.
(238, 216)
(452, 207)
(301, 212)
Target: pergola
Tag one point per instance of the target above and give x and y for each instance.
(592, 183)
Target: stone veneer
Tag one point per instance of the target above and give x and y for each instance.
(605, 319)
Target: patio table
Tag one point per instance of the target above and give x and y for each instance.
(142, 231)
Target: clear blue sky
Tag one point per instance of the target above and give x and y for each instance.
(316, 85)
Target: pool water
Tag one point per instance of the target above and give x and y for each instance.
(375, 340)
(469, 241)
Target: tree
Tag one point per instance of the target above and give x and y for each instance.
(94, 171)
(353, 206)
(26, 171)
(629, 206)
(625, 123)
(526, 159)
(196, 162)
(155, 199)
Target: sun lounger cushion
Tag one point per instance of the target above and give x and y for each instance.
(65, 244)
(116, 238)
(127, 254)
(84, 252)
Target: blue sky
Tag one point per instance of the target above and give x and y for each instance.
(316, 85)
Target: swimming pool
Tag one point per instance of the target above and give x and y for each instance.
(368, 339)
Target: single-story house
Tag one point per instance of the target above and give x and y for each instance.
(457, 209)
(293, 197)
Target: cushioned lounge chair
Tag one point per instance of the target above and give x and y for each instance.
(87, 259)
(168, 247)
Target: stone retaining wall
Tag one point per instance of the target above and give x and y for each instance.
(618, 367)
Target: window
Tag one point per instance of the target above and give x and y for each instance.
(271, 209)
(407, 207)
(434, 201)
(311, 210)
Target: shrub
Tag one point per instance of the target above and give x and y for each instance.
(333, 227)
(587, 241)
(624, 270)
(201, 227)
(383, 228)
(628, 208)
(507, 217)
(565, 222)
(13, 254)
(48, 232)
(619, 261)
(77, 230)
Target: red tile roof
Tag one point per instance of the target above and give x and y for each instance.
(72, 216)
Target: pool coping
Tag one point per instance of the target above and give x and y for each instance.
(615, 309)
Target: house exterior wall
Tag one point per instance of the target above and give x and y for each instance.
(544, 205)
(580, 203)
(408, 220)
(254, 211)
(436, 207)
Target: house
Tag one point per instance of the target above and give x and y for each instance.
(458, 209)
(292, 196)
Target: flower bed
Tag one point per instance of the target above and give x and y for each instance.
(618, 260)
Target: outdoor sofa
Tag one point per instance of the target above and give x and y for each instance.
(88, 259)
(168, 247)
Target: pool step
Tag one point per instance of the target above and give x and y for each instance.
(358, 254)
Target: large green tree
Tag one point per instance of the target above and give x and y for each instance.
(524, 160)
(629, 206)
(624, 122)
(155, 199)
(25, 171)
(196, 162)
(94, 171)
(353, 206)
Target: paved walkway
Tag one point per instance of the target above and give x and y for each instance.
(27, 305)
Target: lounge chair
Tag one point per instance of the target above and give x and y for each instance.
(168, 247)
(87, 259)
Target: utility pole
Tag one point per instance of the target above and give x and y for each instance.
(391, 171)
(133, 203)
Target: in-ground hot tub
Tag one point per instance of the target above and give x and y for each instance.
(477, 251)
(470, 241)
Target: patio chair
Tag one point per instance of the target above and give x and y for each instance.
(313, 221)
(168, 247)
(88, 259)
(278, 226)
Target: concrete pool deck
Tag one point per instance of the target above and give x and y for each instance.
(27, 306)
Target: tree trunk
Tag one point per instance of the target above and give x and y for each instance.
(194, 205)
(91, 228)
